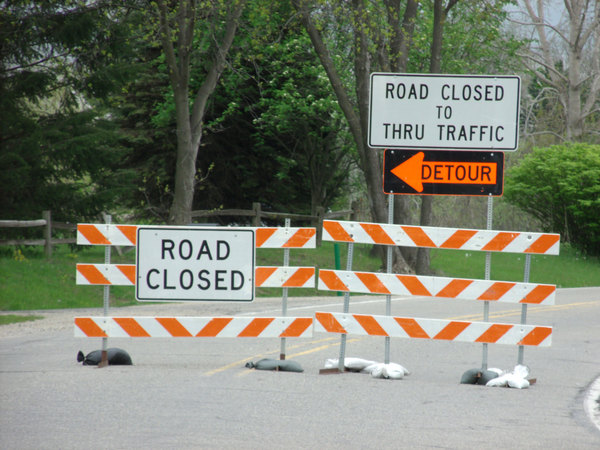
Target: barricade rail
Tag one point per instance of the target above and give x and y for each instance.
(428, 286)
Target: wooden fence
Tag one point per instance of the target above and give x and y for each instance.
(48, 241)
(256, 214)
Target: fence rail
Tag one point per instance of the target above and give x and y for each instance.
(256, 213)
(48, 241)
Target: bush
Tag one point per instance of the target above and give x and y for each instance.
(560, 186)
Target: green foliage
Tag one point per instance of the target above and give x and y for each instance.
(58, 150)
(560, 186)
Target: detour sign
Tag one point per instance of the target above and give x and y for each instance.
(443, 172)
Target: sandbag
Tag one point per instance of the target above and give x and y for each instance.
(391, 371)
(351, 364)
(116, 357)
(275, 364)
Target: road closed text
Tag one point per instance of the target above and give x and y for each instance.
(444, 112)
(195, 264)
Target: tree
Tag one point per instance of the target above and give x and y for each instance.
(364, 33)
(58, 149)
(177, 29)
(565, 58)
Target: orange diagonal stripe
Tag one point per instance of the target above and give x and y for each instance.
(536, 336)
(418, 236)
(450, 331)
(372, 282)
(543, 243)
(261, 274)
(89, 327)
(300, 238)
(377, 233)
(329, 322)
(458, 239)
(173, 326)
(92, 234)
(262, 234)
(496, 290)
(414, 285)
(411, 327)
(130, 232)
(128, 270)
(370, 325)
(493, 333)
(300, 277)
(332, 281)
(214, 327)
(131, 327)
(297, 327)
(256, 327)
(91, 273)
(500, 241)
(454, 288)
(539, 294)
(336, 231)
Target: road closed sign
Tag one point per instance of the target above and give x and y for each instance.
(444, 112)
(193, 264)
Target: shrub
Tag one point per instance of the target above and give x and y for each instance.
(560, 186)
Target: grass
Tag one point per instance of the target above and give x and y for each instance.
(30, 282)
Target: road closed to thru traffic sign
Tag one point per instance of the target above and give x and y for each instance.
(444, 112)
(179, 263)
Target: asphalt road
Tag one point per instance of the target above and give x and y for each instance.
(196, 393)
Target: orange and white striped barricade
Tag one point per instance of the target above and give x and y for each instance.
(445, 238)
(266, 237)
(429, 286)
(436, 329)
(215, 327)
(265, 276)
(442, 238)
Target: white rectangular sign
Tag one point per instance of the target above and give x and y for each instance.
(444, 112)
(194, 263)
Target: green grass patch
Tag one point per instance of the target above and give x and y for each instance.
(30, 282)
(567, 270)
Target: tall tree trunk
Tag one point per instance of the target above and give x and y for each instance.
(435, 66)
(370, 160)
(177, 47)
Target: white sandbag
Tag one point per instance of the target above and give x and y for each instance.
(515, 381)
(388, 371)
(395, 371)
(521, 371)
(501, 381)
(377, 370)
(353, 364)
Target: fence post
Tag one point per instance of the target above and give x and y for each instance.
(319, 224)
(47, 216)
(256, 220)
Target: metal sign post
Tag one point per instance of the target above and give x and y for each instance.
(284, 298)
(106, 300)
(388, 297)
(488, 269)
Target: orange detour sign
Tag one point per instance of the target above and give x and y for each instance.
(443, 172)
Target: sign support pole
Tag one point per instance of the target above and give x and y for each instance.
(106, 299)
(286, 263)
(488, 266)
(524, 305)
(346, 309)
(388, 297)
